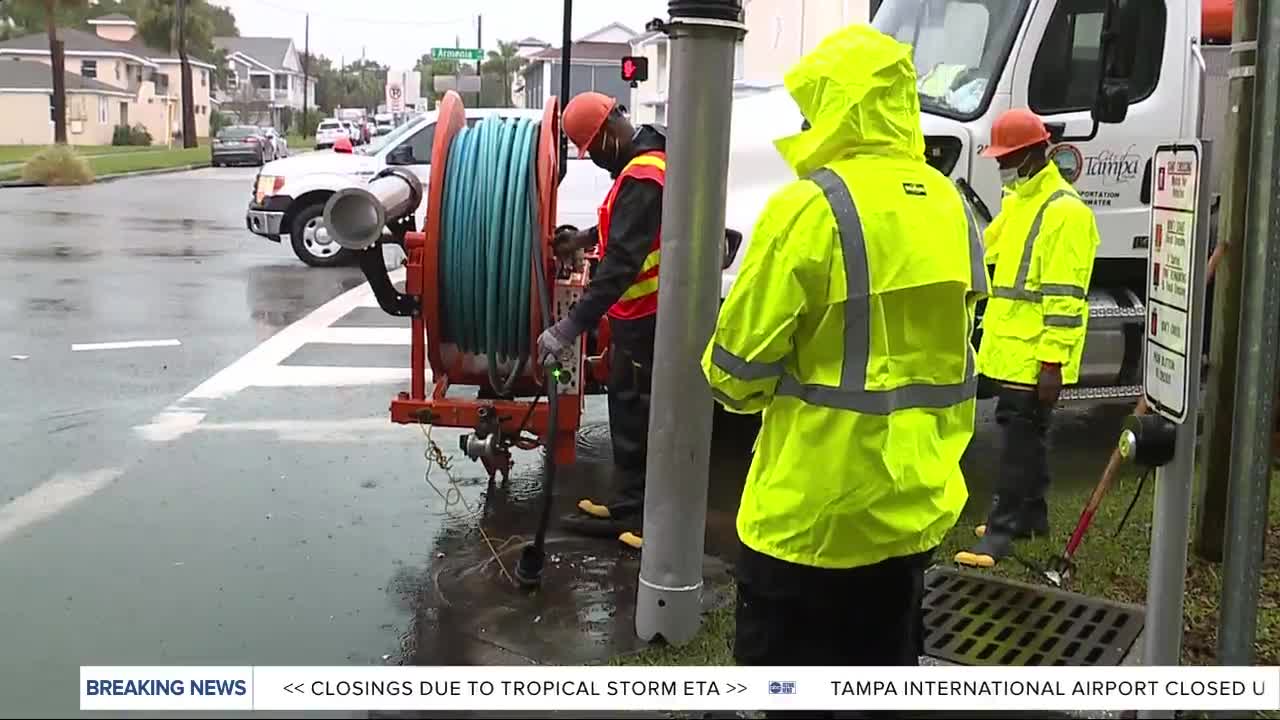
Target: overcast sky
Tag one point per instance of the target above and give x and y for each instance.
(397, 32)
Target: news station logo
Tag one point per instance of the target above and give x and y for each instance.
(787, 687)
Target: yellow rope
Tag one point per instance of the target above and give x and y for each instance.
(453, 496)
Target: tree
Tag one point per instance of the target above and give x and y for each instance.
(429, 69)
(188, 93)
(28, 14)
(505, 62)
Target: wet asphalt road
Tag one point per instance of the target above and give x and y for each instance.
(240, 498)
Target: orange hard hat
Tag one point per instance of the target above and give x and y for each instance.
(342, 145)
(584, 116)
(1015, 130)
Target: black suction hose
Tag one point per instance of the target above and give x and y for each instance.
(533, 558)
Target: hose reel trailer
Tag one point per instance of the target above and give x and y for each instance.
(482, 282)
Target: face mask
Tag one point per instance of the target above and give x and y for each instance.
(609, 157)
(1012, 177)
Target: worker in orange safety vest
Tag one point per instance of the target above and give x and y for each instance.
(625, 287)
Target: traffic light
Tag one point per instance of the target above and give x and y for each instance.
(635, 69)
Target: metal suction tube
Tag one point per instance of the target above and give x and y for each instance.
(356, 216)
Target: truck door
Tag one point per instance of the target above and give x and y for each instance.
(1056, 76)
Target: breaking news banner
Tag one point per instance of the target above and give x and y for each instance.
(678, 688)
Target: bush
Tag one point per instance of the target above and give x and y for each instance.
(57, 165)
(136, 135)
(217, 121)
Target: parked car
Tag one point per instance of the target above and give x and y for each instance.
(279, 147)
(289, 195)
(239, 145)
(385, 123)
(327, 132)
(353, 132)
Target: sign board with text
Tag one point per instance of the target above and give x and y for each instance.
(460, 83)
(395, 94)
(467, 54)
(1171, 278)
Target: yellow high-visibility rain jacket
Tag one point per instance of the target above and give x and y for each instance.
(849, 324)
(1042, 244)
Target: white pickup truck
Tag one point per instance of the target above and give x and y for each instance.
(289, 195)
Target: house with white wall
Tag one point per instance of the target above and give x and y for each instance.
(595, 64)
(139, 84)
(264, 75)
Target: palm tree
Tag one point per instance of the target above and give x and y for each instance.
(49, 9)
(506, 62)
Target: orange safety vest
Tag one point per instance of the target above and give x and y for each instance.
(641, 299)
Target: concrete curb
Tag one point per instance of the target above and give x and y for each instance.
(116, 176)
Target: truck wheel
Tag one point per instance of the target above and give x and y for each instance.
(311, 241)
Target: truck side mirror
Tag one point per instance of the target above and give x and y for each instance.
(1118, 48)
(400, 155)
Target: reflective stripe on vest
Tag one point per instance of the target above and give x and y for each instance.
(852, 394)
(641, 298)
(1019, 290)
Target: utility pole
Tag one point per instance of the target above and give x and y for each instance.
(1220, 398)
(1247, 503)
(306, 73)
(480, 47)
(188, 93)
(703, 36)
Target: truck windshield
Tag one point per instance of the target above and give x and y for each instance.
(960, 47)
(386, 140)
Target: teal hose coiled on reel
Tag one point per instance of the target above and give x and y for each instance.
(488, 233)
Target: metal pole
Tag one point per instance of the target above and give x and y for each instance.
(566, 57)
(306, 73)
(1256, 378)
(703, 36)
(1219, 409)
(1162, 632)
(479, 70)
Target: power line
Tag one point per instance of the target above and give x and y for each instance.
(363, 21)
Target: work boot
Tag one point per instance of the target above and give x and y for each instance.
(597, 520)
(987, 552)
(631, 539)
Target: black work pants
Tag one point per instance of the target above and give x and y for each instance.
(630, 383)
(1019, 508)
(796, 615)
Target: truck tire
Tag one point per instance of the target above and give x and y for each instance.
(306, 231)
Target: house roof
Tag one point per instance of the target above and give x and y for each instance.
(589, 51)
(531, 41)
(75, 41)
(605, 29)
(37, 76)
(267, 50)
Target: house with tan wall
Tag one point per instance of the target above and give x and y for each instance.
(141, 85)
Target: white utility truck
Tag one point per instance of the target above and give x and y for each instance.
(289, 195)
(977, 58)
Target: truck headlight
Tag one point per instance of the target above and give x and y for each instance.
(268, 185)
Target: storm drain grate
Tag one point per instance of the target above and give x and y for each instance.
(980, 620)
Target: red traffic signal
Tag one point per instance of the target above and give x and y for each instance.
(635, 68)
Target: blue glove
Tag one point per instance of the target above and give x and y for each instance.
(557, 338)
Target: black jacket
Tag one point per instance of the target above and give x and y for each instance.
(633, 225)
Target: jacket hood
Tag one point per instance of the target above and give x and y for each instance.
(857, 90)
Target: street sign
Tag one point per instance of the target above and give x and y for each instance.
(1171, 278)
(395, 95)
(470, 54)
(460, 83)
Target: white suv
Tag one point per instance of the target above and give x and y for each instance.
(289, 195)
(328, 133)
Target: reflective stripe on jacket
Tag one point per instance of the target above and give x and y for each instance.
(641, 298)
(849, 327)
(1042, 244)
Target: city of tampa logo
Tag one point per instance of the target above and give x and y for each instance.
(783, 687)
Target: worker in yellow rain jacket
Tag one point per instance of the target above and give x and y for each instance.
(1042, 244)
(849, 326)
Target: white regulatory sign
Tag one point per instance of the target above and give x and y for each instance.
(1171, 278)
